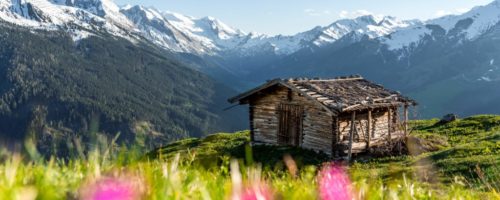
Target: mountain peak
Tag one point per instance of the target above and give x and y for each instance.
(210, 18)
(149, 13)
(368, 19)
(126, 7)
(222, 30)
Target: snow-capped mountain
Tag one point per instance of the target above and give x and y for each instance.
(177, 32)
(475, 22)
(183, 33)
(211, 36)
(80, 18)
(369, 25)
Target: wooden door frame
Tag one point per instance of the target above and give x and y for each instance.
(284, 122)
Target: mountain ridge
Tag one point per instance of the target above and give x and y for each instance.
(208, 36)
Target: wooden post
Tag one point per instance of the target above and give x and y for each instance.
(337, 130)
(369, 128)
(252, 132)
(334, 135)
(351, 135)
(389, 126)
(405, 122)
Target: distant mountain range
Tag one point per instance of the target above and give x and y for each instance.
(449, 64)
(209, 36)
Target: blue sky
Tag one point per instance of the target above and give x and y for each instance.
(292, 16)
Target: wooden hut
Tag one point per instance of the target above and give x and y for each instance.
(337, 116)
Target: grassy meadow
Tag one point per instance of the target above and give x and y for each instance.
(458, 160)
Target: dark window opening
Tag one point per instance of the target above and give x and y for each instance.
(290, 124)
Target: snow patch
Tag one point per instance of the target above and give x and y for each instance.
(405, 38)
(484, 78)
(78, 35)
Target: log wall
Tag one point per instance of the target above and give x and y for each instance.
(317, 130)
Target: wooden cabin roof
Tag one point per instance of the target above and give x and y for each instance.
(341, 94)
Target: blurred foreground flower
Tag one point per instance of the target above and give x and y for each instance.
(257, 192)
(110, 188)
(255, 189)
(334, 183)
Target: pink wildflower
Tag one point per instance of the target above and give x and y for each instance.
(334, 183)
(257, 192)
(113, 189)
(256, 189)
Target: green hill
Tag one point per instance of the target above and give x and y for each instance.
(468, 148)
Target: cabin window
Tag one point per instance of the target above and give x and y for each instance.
(290, 124)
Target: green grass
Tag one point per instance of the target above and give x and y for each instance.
(213, 150)
(465, 165)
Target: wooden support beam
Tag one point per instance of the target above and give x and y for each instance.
(351, 135)
(389, 126)
(335, 135)
(369, 132)
(405, 122)
(252, 127)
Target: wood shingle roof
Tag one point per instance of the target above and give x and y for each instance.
(341, 94)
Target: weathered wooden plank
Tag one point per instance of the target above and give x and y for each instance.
(252, 133)
(317, 133)
(319, 142)
(318, 117)
(389, 124)
(315, 146)
(264, 119)
(405, 120)
(321, 136)
(272, 112)
(317, 123)
(353, 118)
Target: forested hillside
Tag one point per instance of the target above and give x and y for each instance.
(55, 87)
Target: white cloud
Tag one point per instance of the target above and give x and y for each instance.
(357, 13)
(457, 11)
(353, 14)
(441, 13)
(462, 10)
(313, 12)
(344, 14)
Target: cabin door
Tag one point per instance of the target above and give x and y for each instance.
(290, 124)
